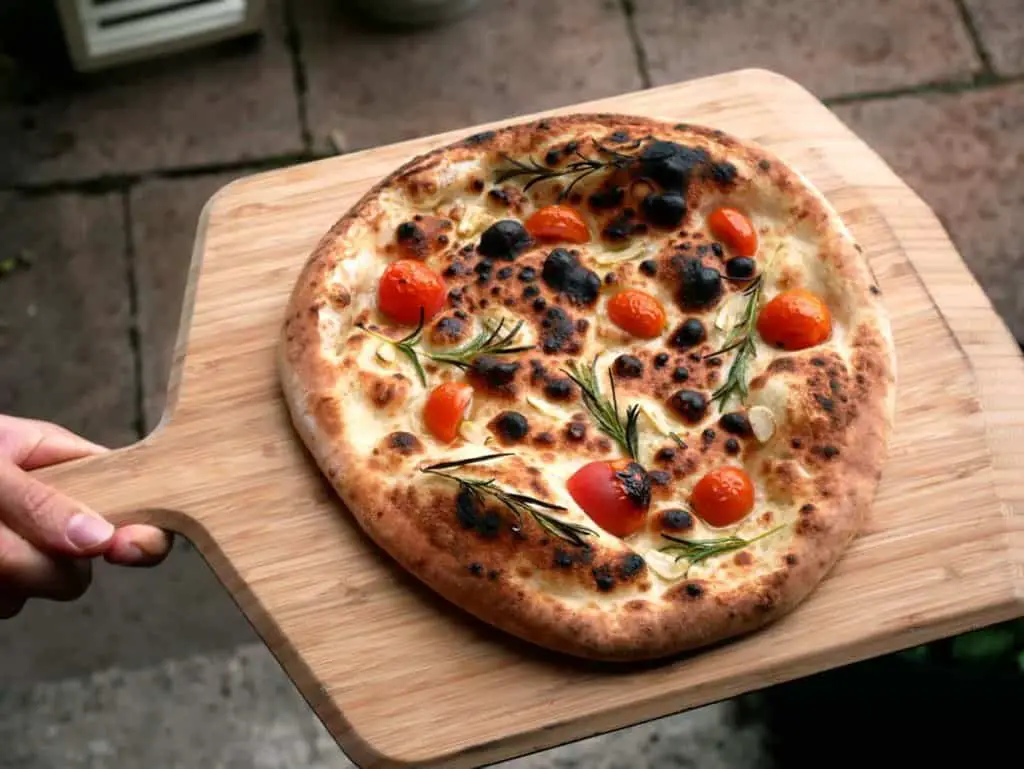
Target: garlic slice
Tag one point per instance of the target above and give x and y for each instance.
(386, 353)
(474, 220)
(665, 565)
(655, 418)
(729, 314)
(546, 408)
(762, 422)
(628, 254)
(474, 432)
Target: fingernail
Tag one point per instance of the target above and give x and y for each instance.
(86, 531)
(132, 553)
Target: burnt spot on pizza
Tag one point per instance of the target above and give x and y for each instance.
(510, 426)
(539, 304)
(740, 268)
(636, 484)
(659, 478)
(499, 195)
(603, 578)
(448, 330)
(717, 250)
(791, 559)
(707, 437)
(527, 274)
(557, 330)
(680, 374)
(670, 165)
(544, 438)
(743, 558)
(339, 297)
(564, 273)
(621, 228)
(665, 210)
(403, 443)
(688, 334)
(736, 423)
(692, 590)
(607, 198)
(675, 519)
(660, 360)
(385, 392)
(700, 286)
(827, 451)
(552, 157)
(732, 447)
(723, 174)
(630, 565)
(483, 269)
(665, 454)
(618, 137)
(476, 184)
(764, 165)
(473, 515)
(530, 292)
(477, 139)
(689, 405)
(578, 556)
(576, 432)
(559, 389)
(505, 239)
(628, 367)
(493, 373)
(826, 403)
(476, 569)
(649, 267)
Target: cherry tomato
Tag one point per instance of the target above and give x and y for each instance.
(446, 408)
(407, 286)
(558, 223)
(637, 312)
(615, 495)
(734, 229)
(794, 320)
(723, 496)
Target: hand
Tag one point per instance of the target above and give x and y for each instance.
(47, 540)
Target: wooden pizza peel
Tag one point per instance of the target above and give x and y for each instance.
(401, 677)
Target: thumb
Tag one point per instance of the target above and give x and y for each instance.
(54, 523)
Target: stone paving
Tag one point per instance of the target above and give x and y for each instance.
(101, 182)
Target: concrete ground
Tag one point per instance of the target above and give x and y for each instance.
(101, 182)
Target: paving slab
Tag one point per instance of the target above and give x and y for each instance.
(65, 314)
(506, 57)
(1000, 25)
(849, 47)
(231, 102)
(239, 711)
(164, 219)
(963, 154)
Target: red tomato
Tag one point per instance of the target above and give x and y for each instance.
(723, 496)
(615, 495)
(637, 312)
(558, 223)
(794, 320)
(406, 287)
(734, 229)
(446, 408)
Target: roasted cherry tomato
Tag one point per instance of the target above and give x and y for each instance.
(406, 287)
(637, 312)
(616, 495)
(558, 223)
(794, 320)
(446, 408)
(723, 496)
(734, 229)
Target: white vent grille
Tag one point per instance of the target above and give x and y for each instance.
(107, 31)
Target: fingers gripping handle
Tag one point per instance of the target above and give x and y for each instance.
(124, 486)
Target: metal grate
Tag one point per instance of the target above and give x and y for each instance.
(107, 31)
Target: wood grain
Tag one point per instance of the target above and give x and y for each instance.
(402, 678)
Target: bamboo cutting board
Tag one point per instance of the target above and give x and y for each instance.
(401, 677)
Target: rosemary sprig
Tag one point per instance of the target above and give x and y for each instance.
(487, 342)
(578, 169)
(697, 550)
(490, 341)
(605, 412)
(518, 504)
(406, 345)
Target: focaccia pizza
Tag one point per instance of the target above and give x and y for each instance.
(618, 386)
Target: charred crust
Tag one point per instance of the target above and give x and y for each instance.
(636, 483)
(603, 578)
(564, 274)
(557, 330)
(478, 138)
(476, 569)
(473, 515)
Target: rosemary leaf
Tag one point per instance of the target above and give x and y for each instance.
(406, 346)
(519, 505)
(605, 412)
(697, 550)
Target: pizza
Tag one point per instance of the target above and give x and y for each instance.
(618, 386)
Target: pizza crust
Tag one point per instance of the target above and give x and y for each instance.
(597, 602)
